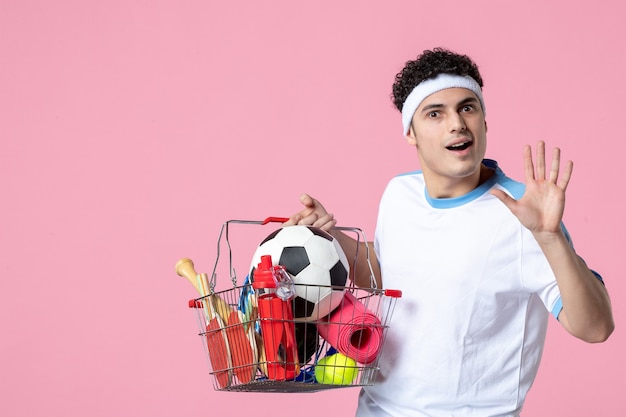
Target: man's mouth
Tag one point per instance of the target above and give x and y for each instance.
(460, 146)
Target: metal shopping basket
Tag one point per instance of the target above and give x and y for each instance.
(256, 345)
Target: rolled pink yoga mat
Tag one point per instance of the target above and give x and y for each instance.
(353, 330)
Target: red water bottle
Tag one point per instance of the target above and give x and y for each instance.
(271, 284)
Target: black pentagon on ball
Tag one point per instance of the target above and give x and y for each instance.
(338, 275)
(302, 307)
(319, 232)
(294, 259)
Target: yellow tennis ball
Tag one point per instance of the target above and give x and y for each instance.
(337, 369)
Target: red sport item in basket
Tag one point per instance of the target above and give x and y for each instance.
(241, 343)
(353, 330)
(232, 349)
(277, 325)
(217, 344)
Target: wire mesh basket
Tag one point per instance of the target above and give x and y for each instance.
(255, 343)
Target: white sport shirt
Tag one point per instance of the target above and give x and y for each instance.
(467, 335)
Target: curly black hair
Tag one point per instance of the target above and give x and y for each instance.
(428, 65)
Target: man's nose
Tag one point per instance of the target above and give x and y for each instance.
(456, 122)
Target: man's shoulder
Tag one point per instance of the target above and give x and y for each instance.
(412, 182)
(514, 188)
(408, 177)
(502, 181)
(409, 174)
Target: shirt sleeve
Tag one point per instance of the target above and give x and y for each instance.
(538, 276)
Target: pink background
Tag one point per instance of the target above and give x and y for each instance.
(130, 130)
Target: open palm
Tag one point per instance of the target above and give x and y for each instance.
(541, 207)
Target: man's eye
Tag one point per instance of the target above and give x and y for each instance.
(433, 114)
(467, 108)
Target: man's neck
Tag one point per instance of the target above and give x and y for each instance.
(457, 187)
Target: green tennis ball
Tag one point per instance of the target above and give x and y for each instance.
(337, 369)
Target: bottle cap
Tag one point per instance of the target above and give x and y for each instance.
(263, 275)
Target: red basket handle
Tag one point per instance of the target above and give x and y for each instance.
(275, 220)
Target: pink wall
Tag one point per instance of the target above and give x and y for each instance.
(130, 130)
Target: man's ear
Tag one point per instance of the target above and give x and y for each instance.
(410, 137)
(486, 126)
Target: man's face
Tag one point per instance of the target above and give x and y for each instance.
(449, 131)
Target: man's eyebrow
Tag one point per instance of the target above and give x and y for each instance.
(463, 102)
(430, 107)
(468, 100)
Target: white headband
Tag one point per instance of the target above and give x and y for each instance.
(432, 85)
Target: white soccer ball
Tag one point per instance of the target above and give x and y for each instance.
(315, 261)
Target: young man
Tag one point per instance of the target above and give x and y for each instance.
(482, 260)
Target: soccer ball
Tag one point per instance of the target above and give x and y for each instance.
(315, 261)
